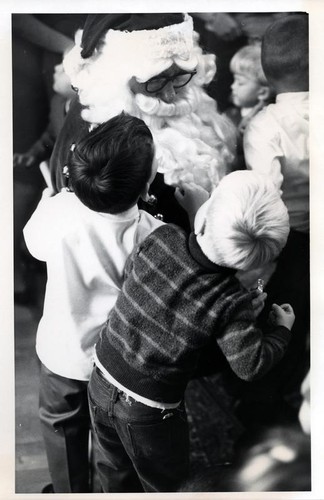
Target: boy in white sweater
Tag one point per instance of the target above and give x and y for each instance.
(85, 237)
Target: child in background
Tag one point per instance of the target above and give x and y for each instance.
(276, 459)
(250, 91)
(179, 293)
(42, 149)
(85, 237)
(304, 414)
(276, 143)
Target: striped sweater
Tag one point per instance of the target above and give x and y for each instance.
(173, 302)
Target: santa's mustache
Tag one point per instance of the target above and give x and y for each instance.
(184, 105)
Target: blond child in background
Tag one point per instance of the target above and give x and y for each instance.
(250, 89)
(250, 92)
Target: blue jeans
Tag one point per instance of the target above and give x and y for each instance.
(140, 448)
(65, 422)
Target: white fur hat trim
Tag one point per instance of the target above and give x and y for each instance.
(143, 53)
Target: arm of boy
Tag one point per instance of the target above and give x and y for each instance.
(24, 160)
(250, 352)
(262, 150)
(190, 197)
(282, 315)
(40, 150)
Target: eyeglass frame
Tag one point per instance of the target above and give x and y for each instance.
(169, 79)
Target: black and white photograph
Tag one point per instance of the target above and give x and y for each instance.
(162, 265)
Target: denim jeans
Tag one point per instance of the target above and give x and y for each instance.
(65, 422)
(140, 448)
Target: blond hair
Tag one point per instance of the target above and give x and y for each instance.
(245, 223)
(247, 61)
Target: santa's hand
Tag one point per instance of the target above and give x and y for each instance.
(224, 26)
(191, 196)
(282, 315)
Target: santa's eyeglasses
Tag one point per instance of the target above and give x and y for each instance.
(158, 83)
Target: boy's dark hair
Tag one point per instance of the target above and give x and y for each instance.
(285, 52)
(110, 166)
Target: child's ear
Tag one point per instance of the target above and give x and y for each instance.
(264, 94)
(145, 193)
(200, 219)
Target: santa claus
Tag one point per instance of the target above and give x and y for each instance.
(150, 66)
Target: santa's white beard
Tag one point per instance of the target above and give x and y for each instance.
(193, 142)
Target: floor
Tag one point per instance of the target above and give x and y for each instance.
(31, 465)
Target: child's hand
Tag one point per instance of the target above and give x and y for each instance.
(23, 160)
(191, 196)
(258, 303)
(282, 315)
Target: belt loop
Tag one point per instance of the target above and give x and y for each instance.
(112, 400)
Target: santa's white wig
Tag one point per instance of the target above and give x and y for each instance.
(244, 224)
(103, 78)
(193, 141)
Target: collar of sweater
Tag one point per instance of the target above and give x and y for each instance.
(201, 258)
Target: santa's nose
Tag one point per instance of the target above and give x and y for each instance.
(167, 94)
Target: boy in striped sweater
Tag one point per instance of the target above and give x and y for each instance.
(179, 293)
